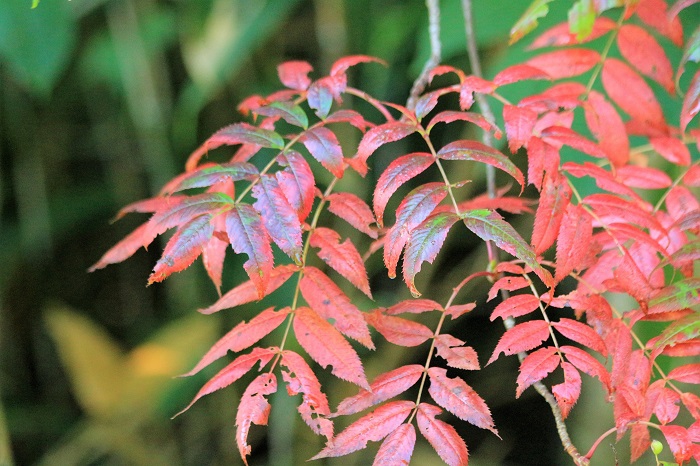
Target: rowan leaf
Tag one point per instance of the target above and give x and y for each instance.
(628, 90)
(640, 441)
(679, 295)
(457, 310)
(611, 209)
(341, 257)
(689, 373)
(573, 240)
(568, 63)
(297, 182)
(378, 136)
(567, 392)
(645, 54)
(643, 177)
(242, 336)
(460, 399)
(397, 330)
(232, 372)
(490, 226)
(679, 442)
(288, 111)
(353, 210)
(523, 337)
(691, 101)
(535, 367)
(384, 387)
(396, 174)
(654, 14)
(672, 149)
(323, 145)
(441, 436)
(519, 123)
(413, 306)
(587, 364)
(607, 127)
(507, 283)
(581, 333)
(518, 72)
(342, 64)
(371, 427)
(479, 152)
(554, 199)
(528, 21)
(211, 175)
(397, 448)
(516, 306)
(321, 93)
(247, 292)
(557, 135)
(328, 347)
(253, 409)
(329, 302)
(424, 244)
(183, 248)
(213, 255)
(457, 355)
(124, 248)
(295, 74)
(542, 158)
(412, 211)
(239, 133)
(302, 380)
(279, 217)
(449, 116)
(667, 406)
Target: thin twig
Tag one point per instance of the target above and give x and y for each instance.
(421, 82)
(485, 108)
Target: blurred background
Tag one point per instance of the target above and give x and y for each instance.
(101, 101)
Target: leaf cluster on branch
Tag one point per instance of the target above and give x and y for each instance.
(284, 174)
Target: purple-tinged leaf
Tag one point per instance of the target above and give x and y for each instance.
(288, 111)
(474, 150)
(295, 74)
(323, 145)
(247, 235)
(239, 133)
(297, 182)
(377, 137)
(278, 216)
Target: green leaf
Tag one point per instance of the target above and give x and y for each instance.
(289, 112)
(528, 21)
(581, 19)
(490, 226)
(679, 295)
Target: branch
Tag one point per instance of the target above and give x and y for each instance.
(435, 53)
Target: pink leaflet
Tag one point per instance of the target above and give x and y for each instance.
(397, 448)
(253, 409)
(522, 337)
(516, 306)
(455, 353)
(644, 53)
(535, 367)
(397, 330)
(565, 63)
(519, 123)
(554, 199)
(442, 436)
(323, 145)
(377, 137)
(567, 392)
(353, 210)
(297, 182)
(341, 257)
(581, 333)
(294, 74)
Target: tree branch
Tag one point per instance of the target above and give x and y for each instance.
(421, 82)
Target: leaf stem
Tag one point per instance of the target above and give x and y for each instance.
(421, 82)
(604, 55)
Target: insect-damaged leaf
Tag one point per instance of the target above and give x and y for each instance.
(328, 347)
(460, 399)
(490, 226)
(397, 448)
(314, 406)
(535, 367)
(353, 210)
(323, 145)
(183, 248)
(278, 216)
(565, 63)
(424, 244)
(397, 173)
(522, 337)
(567, 392)
(455, 353)
(329, 301)
(377, 137)
(398, 330)
(442, 436)
(247, 234)
(371, 427)
(253, 409)
(644, 53)
(680, 295)
(474, 150)
(342, 257)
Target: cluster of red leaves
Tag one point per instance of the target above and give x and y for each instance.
(610, 242)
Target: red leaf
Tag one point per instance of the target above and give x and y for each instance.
(321, 93)
(397, 173)
(371, 427)
(573, 240)
(398, 330)
(457, 310)
(628, 90)
(384, 387)
(295, 74)
(608, 128)
(643, 177)
(248, 235)
(342, 64)
(210, 175)
(680, 202)
(448, 116)
(671, 149)
(561, 35)
(183, 248)
(238, 133)
(328, 347)
(581, 333)
(279, 217)
(452, 350)
(460, 399)
(640, 441)
(611, 209)
(324, 147)
(519, 72)
(353, 210)
(415, 208)
(542, 158)
(314, 406)
(690, 373)
(554, 199)
(153, 204)
(253, 409)
(653, 13)
(474, 150)
(679, 442)
(587, 364)
(522, 337)
(342, 257)
(377, 137)
(680, 295)
(645, 54)
(213, 255)
(397, 448)
(297, 182)
(442, 436)
(567, 392)
(516, 306)
(413, 306)
(329, 301)
(535, 367)
(247, 292)
(557, 135)
(667, 406)
(692, 404)
(507, 283)
(234, 371)
(424, 244)
(124, 248)
(242, 336)
(519, 123)
(565, 63)
(691, 102)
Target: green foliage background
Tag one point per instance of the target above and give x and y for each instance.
(101, 101)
